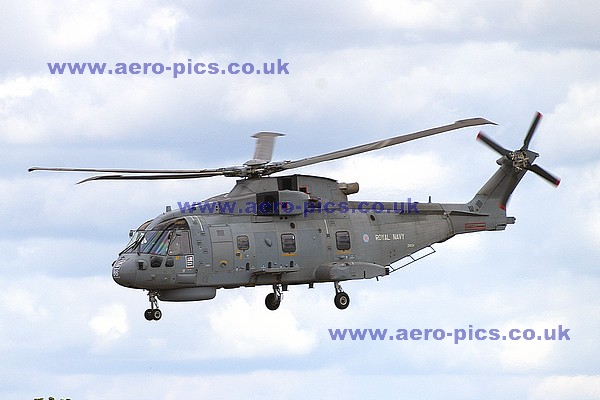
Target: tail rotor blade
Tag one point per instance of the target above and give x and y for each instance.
(481, 136)
(532, 128)
(544, 174)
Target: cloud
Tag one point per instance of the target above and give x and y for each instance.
(583, 387)
(534, 354)
(14, 93)
(51, 316)
(252, 101)
(575, 123)
(415, 15)
(358, 73)
(250, 330)
(393, 179)
(77, 25)
(109, 324)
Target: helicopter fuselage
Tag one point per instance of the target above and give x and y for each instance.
(226, 242)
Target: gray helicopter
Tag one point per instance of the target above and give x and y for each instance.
(299, 229)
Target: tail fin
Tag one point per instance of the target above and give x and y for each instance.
(495, 193)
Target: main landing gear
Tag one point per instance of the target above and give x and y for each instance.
(341, 299)
(273, 300)
(153, 313)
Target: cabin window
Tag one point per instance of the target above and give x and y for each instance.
(342, 240)
(288, 243)
(243, 242)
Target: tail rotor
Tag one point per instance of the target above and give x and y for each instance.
(523, 158)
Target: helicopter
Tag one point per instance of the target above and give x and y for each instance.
(299, 229)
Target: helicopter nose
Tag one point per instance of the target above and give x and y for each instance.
(124, 271)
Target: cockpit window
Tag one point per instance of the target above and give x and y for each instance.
(168, 237)
(155, 242)
(144, 225)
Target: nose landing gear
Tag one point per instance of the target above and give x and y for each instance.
(153, 313)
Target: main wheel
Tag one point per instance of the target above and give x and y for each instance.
(156, 314)
(272, 302)
(342, 300)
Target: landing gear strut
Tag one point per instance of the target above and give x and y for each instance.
(273, 300)
(341, 300)
(153, 313)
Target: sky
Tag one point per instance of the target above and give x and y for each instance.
(358, 72)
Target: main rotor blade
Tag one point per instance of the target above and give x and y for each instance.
(125, 171)
(153, 177)
(380, 144)
(481, 136)
(263, 151)
(544, 174)
(532, 128)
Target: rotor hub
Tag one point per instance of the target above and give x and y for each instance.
(520, 160)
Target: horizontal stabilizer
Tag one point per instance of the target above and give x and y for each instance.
(461, 213)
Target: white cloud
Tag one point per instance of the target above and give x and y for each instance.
(385, 178)
(251, 101)
(248, 330)
(416, 15)
(580, 387)
(166, 19)
(52, 315)
(356, 75)
(15, 125)
(19, 301)
(110, 324)
(524, 354)
(575, 122)
(78, 24)
(25, 87)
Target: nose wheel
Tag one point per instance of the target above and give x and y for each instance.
(153, 313)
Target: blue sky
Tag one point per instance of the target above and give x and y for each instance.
(359, 72)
